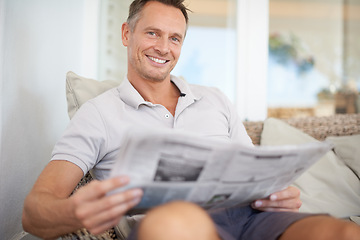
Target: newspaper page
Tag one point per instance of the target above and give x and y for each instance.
(170, 165)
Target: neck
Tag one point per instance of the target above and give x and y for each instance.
(158, 92)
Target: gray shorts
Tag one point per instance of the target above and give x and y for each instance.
(246, 223)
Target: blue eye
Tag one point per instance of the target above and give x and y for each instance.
(176, 40)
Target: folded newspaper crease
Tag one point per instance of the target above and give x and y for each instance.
(169, 165)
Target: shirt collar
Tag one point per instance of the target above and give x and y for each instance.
(129, 94)
(133, 98)
(184, 88)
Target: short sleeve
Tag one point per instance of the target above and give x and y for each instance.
(84, 140)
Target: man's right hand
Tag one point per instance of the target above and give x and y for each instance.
(49, 212)
(98, 211)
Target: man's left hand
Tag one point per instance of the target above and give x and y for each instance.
(287, 200)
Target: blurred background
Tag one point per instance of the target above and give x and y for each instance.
(279, 58)
(310, 66)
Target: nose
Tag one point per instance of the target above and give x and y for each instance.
(162, 45)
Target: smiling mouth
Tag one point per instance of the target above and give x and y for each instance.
(157, 60)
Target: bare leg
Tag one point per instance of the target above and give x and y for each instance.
(322, 228)
(177, 221)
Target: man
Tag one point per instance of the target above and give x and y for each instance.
(150, 97)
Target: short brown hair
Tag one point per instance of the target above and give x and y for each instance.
(137, 6)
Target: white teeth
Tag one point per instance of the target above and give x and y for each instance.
(157, 60)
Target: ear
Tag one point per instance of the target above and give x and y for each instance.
(125, 32)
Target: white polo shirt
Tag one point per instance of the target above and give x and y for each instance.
(95, 134)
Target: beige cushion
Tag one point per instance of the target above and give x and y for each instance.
(348, 149)
(80, 89)
(329, 186)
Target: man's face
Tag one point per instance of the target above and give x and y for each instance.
(155, 44)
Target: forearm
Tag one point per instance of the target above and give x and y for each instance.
(49, 217)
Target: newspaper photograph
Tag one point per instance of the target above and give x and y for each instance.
(169, 166)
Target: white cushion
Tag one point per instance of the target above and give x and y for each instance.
(80, 89)
(348, 149)
(329, 186)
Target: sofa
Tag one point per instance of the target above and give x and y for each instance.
(331, 185)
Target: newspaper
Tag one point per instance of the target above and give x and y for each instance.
(170, 165)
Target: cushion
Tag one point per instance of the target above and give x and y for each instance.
(329, 186)
(347, 148)
(80, 89)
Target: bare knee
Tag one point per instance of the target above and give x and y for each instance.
(343, 230)
(177, 220)
(349, 231)
(322, 228)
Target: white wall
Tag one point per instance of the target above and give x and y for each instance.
(40, 41)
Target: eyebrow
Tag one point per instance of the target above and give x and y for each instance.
(178, 35)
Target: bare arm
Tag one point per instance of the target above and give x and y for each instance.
(49, 212)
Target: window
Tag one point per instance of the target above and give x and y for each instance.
(208, 55)
(112, 62)
(314, 57)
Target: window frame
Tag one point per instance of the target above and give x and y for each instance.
(252, 54)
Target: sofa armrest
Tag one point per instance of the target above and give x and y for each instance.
(317, 127)
(84, 234)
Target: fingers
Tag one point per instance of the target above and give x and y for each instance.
(288, 193)
(285, 200)
(98, 211)
(115, 204)
(96, 189)
(290, 205)
(100, 219)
